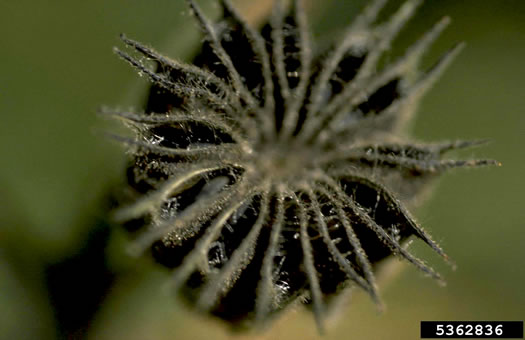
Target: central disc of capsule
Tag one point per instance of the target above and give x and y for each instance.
(281, 161)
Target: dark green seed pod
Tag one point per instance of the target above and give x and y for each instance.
(264, 173)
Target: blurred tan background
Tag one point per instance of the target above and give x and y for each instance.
(57, 68)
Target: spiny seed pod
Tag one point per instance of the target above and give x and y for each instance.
(265, 173)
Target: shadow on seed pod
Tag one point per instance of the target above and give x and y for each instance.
(266, 173)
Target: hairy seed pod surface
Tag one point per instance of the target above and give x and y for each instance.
(267, 173)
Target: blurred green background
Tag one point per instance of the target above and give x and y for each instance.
(57, 68)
